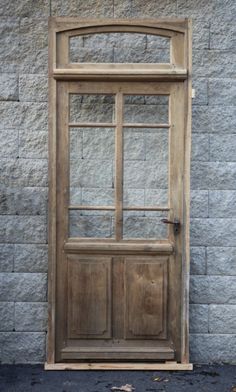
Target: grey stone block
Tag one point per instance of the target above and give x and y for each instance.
(122, 8)
(25, 8)
(33, 88)
(34, 116)
(6, 257)
(214, 63)
(198, 10)
(11, 115)
(213, 289)
(23, 229)
(27, 287)
(9, 143)
(199, 204)
(201, 34)
(31, 258)
(223, 148)
(33, 144)
(222, 35)
(90, 173)
(90, 8)
(198, 318)
(213, 175)
(23, 201)
(222, 204)
(222, 92)
(24, 172)
(201, 91)
(222, 319)
(198, 260)
(6, 316)
(205, 348)
(22, 347)
(200, 147)
(99, 144)
(8, 87)
(31, 316)
(9, 43)
(153, 8)
(213, 232)
(214, 119)
(33, 46)
(221, 260)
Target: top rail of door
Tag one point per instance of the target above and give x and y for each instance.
(119, 49)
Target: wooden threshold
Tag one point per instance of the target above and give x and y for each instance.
(119, 366)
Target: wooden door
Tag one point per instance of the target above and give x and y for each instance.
(120, 186)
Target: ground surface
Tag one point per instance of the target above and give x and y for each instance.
(33, 378)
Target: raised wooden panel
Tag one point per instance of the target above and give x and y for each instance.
(146, 283)
(89, 297)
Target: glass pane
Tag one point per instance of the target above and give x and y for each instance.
(149, 109)
(144, 225)
(119, 48)
(145, 167)
(91, 224)
(92, 153)
(86, 108)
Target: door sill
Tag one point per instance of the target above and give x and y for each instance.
(118, 366)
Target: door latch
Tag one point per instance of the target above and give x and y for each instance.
(175, 223)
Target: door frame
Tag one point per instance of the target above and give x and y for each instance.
(179, 69)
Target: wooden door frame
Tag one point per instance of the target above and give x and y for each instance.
(179, 69)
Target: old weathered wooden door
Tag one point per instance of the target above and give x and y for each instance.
(120, 215)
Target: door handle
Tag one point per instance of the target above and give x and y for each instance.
(175, 223)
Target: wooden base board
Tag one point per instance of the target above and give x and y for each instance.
(118, 366)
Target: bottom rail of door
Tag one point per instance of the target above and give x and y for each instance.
(169, 365)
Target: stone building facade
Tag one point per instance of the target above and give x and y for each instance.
(23, 198)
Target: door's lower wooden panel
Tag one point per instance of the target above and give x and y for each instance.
(89, 297)
(146, 281)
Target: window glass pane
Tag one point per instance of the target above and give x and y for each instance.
(87, 108)
(144, 224)
(119, 48)
(152, 109)
(91, 224)
(92, 158)
(145, 167)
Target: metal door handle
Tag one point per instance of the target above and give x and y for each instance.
(175, 223)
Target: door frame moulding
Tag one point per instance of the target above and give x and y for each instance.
(60, 30)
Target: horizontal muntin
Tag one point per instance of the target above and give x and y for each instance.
(112, 208)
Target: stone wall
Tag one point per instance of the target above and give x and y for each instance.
(23, 127)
